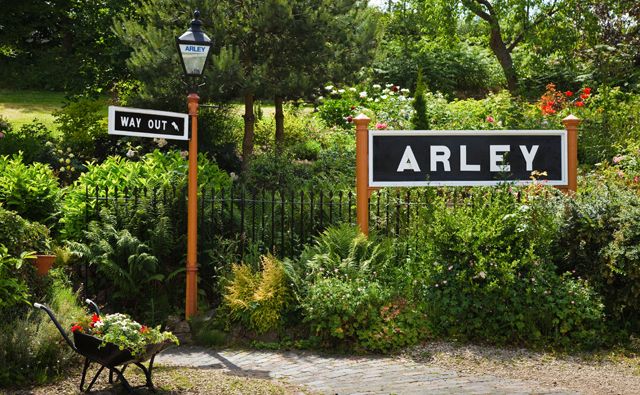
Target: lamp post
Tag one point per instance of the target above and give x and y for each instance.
(193, 47)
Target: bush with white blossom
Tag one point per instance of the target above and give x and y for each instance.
(389, 106)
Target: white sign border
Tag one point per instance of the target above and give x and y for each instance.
(563, 160)
(112, 123)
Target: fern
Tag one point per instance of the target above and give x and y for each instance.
(258, 299)
(124, 265)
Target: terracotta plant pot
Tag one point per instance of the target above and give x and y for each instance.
(44, 263)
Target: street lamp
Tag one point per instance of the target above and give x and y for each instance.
(193, 47)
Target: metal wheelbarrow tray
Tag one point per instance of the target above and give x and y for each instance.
(108, 355)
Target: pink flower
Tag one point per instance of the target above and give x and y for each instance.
(617, 158)
(381, 125)
(635, 179)
(1, 135)
(620, 173)
(490, 119)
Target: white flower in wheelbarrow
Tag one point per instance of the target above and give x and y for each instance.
(122, 331)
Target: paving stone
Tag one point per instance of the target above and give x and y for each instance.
(348, 375)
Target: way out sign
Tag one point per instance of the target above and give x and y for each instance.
(466, 158)
(137, 122)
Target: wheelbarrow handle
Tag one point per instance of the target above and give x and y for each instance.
(93, 305)
(56, 323)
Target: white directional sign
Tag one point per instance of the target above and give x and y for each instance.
(138, 122)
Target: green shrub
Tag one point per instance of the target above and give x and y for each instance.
(490, 277)
(350, 292)
(13, 290)
(153, 170)
(599, 242)
(334, 112)
(30, 190)
(21, 236)
(258, 300)
(33, 140)
(342, 309)
(31, 348)
(83, 125)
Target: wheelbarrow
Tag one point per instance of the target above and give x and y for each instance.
(108, 356)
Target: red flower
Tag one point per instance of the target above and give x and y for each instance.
(395, 88)
(349, 119)
(353, 108)
(144, 329)
(579, 104)
(586, 91)
(568, 93)
(76, 327)
(490, 119)
(95, 318)
(584, 96)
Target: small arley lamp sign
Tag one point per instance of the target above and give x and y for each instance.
(461, 158)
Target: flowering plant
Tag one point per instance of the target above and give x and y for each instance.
(389, 104)
(122, 331)
(554, 100)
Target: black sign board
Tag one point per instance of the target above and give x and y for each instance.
(137, 122)
(434, 158)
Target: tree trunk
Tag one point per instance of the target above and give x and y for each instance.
(279, 124)
(249, 123)
(499, 49)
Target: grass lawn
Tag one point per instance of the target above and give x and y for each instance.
(22, 107)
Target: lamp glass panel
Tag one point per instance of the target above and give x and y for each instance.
(194, 57)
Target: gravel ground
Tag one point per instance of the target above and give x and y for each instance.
(599, 374)
(171, 380)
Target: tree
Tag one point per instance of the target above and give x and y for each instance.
(522, 17)
(316, 41)
(419, 119)
(62, 44)
(262, 48)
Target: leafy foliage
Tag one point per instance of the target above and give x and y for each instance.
(33, 141)
(31, 350)
(20, 236)
(13, 291)
(119, 175)
(30, 190)
(491, 277)
(419, 119)
(126, 271)
(348, 291)
(258, 299)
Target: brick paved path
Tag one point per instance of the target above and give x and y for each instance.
(347, 375)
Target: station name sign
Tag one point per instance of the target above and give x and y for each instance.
(466, 158)
(139, 122)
